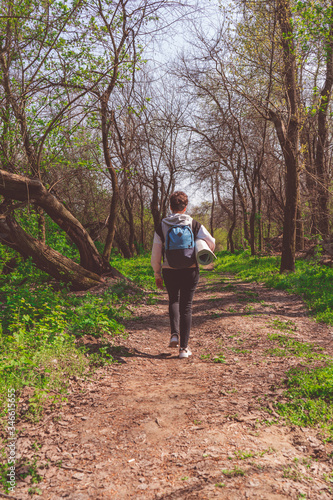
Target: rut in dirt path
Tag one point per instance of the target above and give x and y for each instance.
(156, 427)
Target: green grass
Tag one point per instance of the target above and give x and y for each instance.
(288, 325)
(220, 358)
(292, 473)
(247, 296)
(240, 351)
(137, 269)
(313, 282)
(244, 455)
(236, 471)
(41, 327)
(292, 347)
(40, 331)
(309, 398)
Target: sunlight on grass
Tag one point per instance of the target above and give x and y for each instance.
(309, 398)
(313, 282)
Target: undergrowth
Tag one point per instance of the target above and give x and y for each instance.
(40, 329)
(42, 323)
(289, 346)
(309, 398)
(312, 281)
(137, 269)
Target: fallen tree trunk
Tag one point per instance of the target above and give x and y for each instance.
(20, 188)
(52, 262)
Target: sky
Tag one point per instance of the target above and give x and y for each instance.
(166, 48)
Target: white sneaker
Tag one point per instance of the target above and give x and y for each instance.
(174, 342)
(184, 353)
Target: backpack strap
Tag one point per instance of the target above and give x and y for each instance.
(195, 228)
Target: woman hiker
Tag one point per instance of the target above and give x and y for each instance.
(180, 270)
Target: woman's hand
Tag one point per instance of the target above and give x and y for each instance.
(159, 283)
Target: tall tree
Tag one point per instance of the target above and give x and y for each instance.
(288, 132)
(314, 25)
(30, 35)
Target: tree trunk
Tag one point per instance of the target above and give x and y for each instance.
(252, 232)
(260, 221)
(123, 246)
(269, 217)
(142, 222)
(244, 211)
(253, 216)
(17, 187)
(232, 214)
(119, 235)
(299, 231)
(212, 211)
(165, 193)
(289, 137)
(289, 222)
(154, 205)
(131, 237)
(233, 224)
(231, 246)
(114, 181)
(321, 170)
(310, 177)
(45, 258)
(129, 208)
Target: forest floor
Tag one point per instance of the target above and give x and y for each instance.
(157, 427)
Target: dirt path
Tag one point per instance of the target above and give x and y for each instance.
(156, 427)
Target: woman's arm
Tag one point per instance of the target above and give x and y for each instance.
(156, 257)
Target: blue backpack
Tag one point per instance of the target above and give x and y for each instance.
(179, 245)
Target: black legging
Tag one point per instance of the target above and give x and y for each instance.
(181, 285)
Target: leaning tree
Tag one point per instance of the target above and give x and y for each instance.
(59, 64)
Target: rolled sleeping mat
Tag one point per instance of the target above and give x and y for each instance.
(203, 253)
